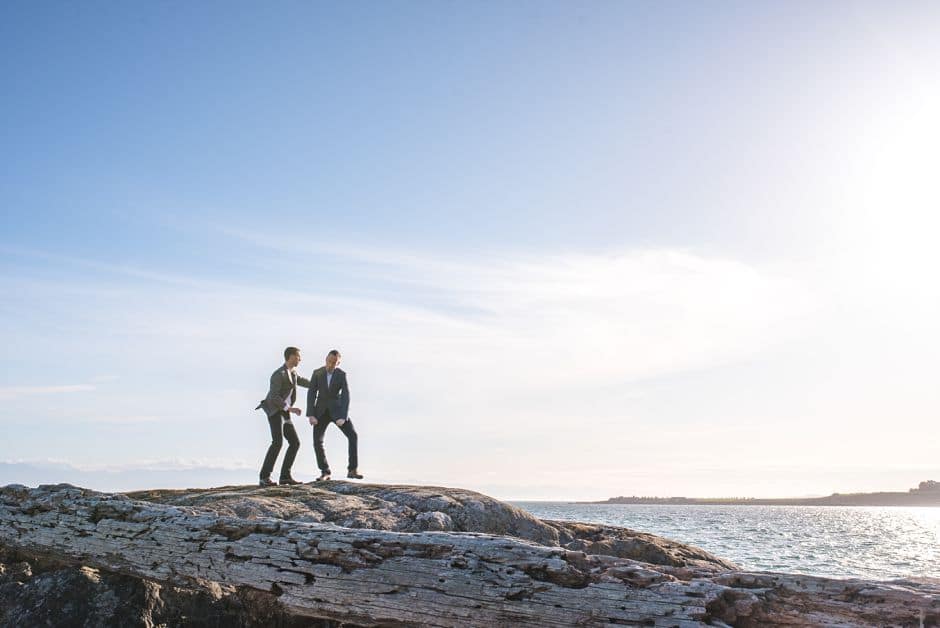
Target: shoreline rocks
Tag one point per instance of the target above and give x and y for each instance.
(368, 555)
(402, 508)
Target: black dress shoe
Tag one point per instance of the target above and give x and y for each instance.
(266, 482)
(323, 477)
(283, 481)
(353, 475)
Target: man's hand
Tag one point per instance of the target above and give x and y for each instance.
(340, 422)
(295, 410)
(313, 420)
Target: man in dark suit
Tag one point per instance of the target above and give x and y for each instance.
(279, 405)
(328, 402)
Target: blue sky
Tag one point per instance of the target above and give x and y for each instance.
(567, 251)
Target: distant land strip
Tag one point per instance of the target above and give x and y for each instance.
(926, 494)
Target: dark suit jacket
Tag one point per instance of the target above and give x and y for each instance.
(334, 397)
(282, 388)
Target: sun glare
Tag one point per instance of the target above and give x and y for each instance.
(892, 196)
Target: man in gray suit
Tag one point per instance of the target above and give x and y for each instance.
(328, 402)
(279, 405)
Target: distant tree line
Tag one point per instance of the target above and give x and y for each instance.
(928, 486)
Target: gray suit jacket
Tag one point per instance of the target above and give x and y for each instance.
(282, 388)
(334, 397)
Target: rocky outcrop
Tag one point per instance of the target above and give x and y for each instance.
(385, 555)
(428, 508)
(36, 591)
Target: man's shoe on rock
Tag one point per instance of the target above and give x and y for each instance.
(354, 475)
(263, 482)
(284, 481)
(323, 477)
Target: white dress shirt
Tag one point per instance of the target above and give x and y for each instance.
(287, 401)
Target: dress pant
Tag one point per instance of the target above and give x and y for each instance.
(279, 431)
(347, 428)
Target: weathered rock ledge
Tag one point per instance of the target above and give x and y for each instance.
(368, 555)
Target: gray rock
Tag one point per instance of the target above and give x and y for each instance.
(404, 509)
(435, 520)
(363, 555)
(62, 595)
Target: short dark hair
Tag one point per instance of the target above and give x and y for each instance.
(289, 351)
(333, 352)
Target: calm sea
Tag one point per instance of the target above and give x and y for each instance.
(869, 542)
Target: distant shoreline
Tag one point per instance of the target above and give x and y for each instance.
(914, 497)
(836, 499)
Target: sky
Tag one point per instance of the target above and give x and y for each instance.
(568, 251)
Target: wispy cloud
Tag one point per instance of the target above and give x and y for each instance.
(486, 351)
(146, 464)
(111, 268)
(131, 419)
(583, 320)
(15, 392)
(147, 474)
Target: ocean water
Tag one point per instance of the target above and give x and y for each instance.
(879, 543)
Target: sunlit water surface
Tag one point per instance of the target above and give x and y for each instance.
(839, 541)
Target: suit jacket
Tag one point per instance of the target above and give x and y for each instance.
(334, 397)
(283, 388)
